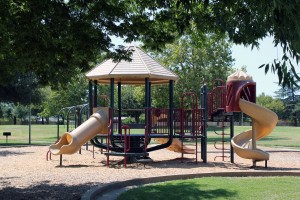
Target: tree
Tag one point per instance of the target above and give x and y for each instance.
(7, 110)
(290, 92)
(22, 89)
(20, 112)
(131, 101)
(55, 38)
(292, 111)
(197, 59)
(290, 98)
(245, 22)
(269, 102)
(74, 93)
(52, 38)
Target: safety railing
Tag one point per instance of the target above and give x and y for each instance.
(126, 140)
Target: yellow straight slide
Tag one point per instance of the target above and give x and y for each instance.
(263, 122)
(70, 143)
(176, 146)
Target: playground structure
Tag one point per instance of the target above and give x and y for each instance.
(170, 127)
(263, 119)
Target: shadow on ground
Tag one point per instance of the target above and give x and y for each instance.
(47, 191)
(186, 189)
(6, 153)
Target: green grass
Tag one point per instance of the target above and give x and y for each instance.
(40, 134)
(46, 134)
(282, 136)
(219, 188)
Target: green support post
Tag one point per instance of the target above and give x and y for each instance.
(112, 98)
(90, 98)
(95, 94)
(204, 121)
(119, 107)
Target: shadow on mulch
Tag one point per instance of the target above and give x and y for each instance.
(185, 163)
(73, 166)
(12, 153)
(46, 191)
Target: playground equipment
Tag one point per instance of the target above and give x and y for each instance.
(70, 143)
(170, 123)
(241, 97)
(264, 121)
(170, 127)
(70, 117)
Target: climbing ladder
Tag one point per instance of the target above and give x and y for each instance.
(223, 142)
(191, 121)
(216, 112)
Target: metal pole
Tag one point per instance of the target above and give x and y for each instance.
(147, 113)
(231, 136)
(58, 125)
(60, 160)
(147, 84)
(95, 94)
(30, 119)
(204, 121)
(119, 107)
(90, 98)
(58, 122)
(253, 141)
(112, 97)
(68, 120)
(150, 97)
(171, 108)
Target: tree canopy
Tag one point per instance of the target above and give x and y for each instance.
(23, 89)
(54, 39)
(275, 105)
(291, 100)
(197, 59)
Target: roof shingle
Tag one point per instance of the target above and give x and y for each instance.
(141, 66)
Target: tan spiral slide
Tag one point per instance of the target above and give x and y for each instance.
(70, 143)
(263, 122)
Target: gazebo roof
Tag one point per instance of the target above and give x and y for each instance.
(134, 72)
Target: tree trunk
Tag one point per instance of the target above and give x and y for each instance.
(295, 121)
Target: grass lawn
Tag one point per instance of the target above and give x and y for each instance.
(282, 136)
(219, 188)
(47, 134)
(40, 134)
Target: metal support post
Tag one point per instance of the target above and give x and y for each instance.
(231, 136)
(204, 123)
(90, 98)
(119, 107)
(60, 160)
(95, 94)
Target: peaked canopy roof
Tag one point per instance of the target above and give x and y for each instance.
(141, 66)
(240, 76)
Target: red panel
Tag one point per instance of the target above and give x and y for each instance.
(236, 90)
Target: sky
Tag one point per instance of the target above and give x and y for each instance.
(252, 59)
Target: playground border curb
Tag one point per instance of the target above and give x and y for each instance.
(99, 192)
